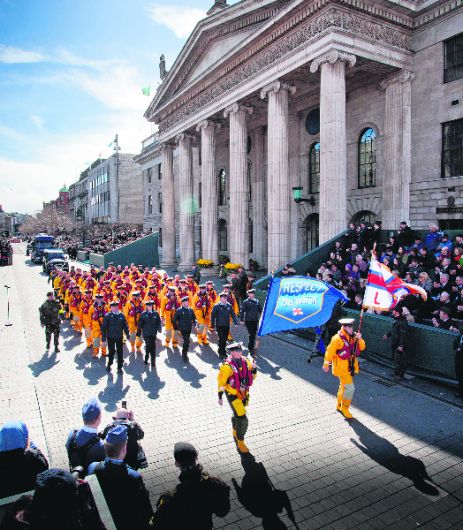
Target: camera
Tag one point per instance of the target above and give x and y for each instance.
(124, 404)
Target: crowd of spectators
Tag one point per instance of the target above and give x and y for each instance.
(434, 262)
(101, 240)
(64, 500)
(6, 252)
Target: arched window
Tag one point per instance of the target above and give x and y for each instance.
(222, 235)
(367, 159)
(314, 168)
(364, 215)
(222, 187)
(251, 236)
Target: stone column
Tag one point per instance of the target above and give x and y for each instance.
(397, 139)
(209, 193)
(168, 207)
(278, 185)
(258, 195)
(186, 203)
(333, 202)
(239, 186)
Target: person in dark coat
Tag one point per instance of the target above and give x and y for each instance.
(113, 328)
(220, 319)
(398, 336)
(195, 500)
(50, 319)
(405, 236)
(149, 326)
(251, 310)
(184, 320)
(122, 486)
(83, 445)
(20, 460)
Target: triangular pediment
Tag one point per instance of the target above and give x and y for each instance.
(213, 39)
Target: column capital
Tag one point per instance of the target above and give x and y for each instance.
(235, 107)
(208, 123)
(184, 136)
(275, 87)
(332, 57)
(401, 76)
(170, 144)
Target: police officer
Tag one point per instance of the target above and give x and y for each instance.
(114, 325)
(50, 319)
(123, 487)
(220, 320)
(183, 320)
(342, 353)
(83, 445)
(198, 496)
(250, 314)
(236, 376)
(398, 334)
(148, 326)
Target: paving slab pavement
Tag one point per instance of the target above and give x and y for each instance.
(398, 465)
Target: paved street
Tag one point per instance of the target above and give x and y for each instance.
(398, 465)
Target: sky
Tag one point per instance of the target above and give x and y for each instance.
(71, 75)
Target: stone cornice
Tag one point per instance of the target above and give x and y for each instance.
(332, 57)
(310, 15)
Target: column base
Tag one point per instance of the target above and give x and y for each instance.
(168, 265)
(186, 267)
(210, 272)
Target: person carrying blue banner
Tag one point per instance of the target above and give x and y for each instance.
(342, 354)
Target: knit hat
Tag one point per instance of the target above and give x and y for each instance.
(91, 409)
(185, 453)
(117, 435)
(13, 435)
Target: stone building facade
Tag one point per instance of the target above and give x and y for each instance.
(360, 102)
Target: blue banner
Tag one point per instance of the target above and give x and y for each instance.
(297, 302)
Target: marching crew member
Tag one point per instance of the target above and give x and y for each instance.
(148, 326)
(342, 353)
(98, 313)
(113, 327)
(133, 310)
(236, 376)
(250, 314)
(221, 315)
(169, 305)
(75, 308)
(202, 307)
(183, 320)
(86, 316)
(232, 301)
(213, 297)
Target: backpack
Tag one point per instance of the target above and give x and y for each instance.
(77, 455)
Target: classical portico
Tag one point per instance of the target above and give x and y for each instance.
(242, 92)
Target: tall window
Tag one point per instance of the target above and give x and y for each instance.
(314, 168)
(160, 202)
(453, 59)
(251, 236)
(222, 187)
(222, 235)
(160, 237)
(200, 195)
(159, 168)
(148, 174)
(150, 204)
(367, 159)
(452, 148)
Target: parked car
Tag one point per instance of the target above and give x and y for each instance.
(54, 257)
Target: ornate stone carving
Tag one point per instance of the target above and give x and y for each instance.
(402, 76)
(332, 19)
(205, 123)
(331, 57)
(276, 86)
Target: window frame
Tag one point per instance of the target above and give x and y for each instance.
(447, 69)
(312, 149)
(372, 165)
(459, 147)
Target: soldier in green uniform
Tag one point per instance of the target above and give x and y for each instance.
(50, 319)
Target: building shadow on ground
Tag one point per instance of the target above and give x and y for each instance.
(260, 497)
(387, 455)
(47, 362)
(186, 371)
(114, 391)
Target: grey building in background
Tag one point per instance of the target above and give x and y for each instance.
(78, 198)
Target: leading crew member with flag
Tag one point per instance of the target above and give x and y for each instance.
(341, 354)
